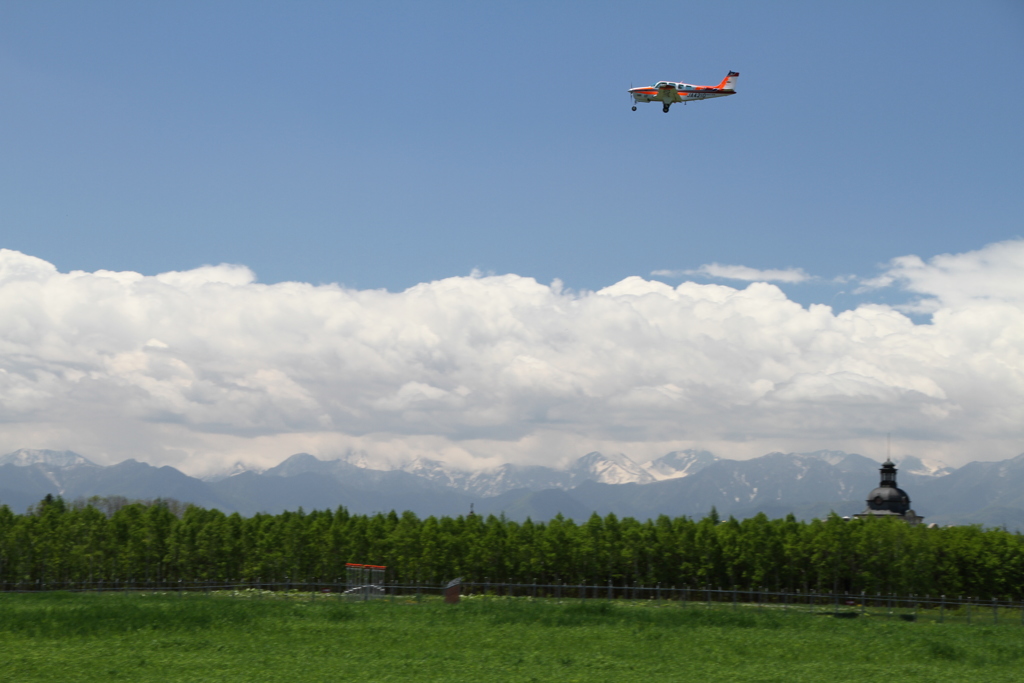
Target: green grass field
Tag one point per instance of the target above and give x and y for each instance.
(153, 637)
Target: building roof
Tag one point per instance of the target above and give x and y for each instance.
(887, 498)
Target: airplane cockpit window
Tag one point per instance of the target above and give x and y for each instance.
(661, 84)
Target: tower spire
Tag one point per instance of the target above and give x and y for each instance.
(888, 499)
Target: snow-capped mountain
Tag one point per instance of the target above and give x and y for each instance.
(28, 475)
(236, 468)
(492, 481)
(25, 457)
(510, 477)
(678, 483)
(435, 471)
(52, 467)
(679, 464)
(831, 457)
(592, 467)
(609, 469)
(360, 459)
(927, 468)
(596, 467)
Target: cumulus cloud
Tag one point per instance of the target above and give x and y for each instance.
(744, 273)
(994, 274)
(204, 367)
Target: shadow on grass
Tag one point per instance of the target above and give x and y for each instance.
(605, 613)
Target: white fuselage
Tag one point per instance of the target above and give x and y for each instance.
(669, 93)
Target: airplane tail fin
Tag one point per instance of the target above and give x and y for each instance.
(729, 82)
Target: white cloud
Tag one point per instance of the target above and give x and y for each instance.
(993, 274)
(202, 368)
(744, 273)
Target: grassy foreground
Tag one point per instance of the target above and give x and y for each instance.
(105, 637)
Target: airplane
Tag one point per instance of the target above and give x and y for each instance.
(667, 92)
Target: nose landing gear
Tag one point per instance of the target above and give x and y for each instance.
(634, 107)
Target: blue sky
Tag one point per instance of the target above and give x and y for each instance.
(386, 144)
(527, 270)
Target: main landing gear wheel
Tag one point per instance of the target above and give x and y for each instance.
(634, 107)
(664, 108)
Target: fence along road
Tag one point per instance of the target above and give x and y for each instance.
(939, 609)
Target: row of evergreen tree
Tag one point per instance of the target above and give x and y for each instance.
(57, 542)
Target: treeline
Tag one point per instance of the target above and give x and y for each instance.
(56, 542)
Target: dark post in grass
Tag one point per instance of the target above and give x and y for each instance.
(453, 591)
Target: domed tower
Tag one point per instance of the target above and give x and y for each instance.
(889, 500)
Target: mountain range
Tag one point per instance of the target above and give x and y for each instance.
(686, 482)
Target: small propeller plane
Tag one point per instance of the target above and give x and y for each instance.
(667, 92)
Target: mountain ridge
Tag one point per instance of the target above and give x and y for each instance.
(678, 483)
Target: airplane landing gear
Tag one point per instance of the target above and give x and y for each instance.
(664, 107)
(634, 107)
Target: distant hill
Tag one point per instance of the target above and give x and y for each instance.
(679, 483)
